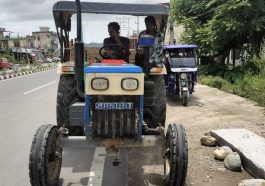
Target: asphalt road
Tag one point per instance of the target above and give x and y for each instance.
(25, 103)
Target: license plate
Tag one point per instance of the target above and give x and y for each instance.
(113, 105)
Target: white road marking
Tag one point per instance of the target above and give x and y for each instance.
(40, 87)
(97, 167)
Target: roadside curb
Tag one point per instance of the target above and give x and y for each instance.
(9, 76)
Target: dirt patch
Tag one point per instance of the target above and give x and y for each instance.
(209, 109)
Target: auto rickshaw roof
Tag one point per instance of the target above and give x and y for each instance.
(63, 10)
(180, 46)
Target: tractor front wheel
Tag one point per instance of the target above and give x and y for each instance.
(175, 156)
(45, 158)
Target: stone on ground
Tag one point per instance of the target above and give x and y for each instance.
(208, 141)
(252, 182)
(250, 146)
(222, 152)
(233, 162)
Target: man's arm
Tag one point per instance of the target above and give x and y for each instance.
(105, 42)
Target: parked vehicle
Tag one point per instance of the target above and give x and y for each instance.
(115, 101)
(49, 60)
(5, 64)
(56, 59)
(181, 63)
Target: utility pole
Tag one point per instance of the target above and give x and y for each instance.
(124, 22)
(171, 32)
(26, 51)
(138, 31)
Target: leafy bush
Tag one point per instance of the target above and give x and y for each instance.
(221, 70)
(252, 87)
(233, 75)
(213, 81)
(212, 69)
(10, 58)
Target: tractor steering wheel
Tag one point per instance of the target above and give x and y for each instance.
(117, 54)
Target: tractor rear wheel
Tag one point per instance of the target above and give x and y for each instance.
(155, 114)
(66, 96)
(45, 158)
(175, 156)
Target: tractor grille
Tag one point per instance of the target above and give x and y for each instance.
(114, 123)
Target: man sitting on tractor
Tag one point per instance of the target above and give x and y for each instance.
(156, 53)
(120, 51)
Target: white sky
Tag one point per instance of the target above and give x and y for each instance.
(26, 16)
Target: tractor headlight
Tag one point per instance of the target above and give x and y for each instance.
(68, 69)
(100, 83)
(129, 84)
(183, 76)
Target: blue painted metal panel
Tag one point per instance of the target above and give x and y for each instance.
(146, 41)
(180, 46)
(108, 68)
(140, 127)
(87, 116)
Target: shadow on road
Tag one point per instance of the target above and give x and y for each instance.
(136, 166)
(174, 100)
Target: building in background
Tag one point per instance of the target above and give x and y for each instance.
(45, 39)
(44, 42)
(176, 32)
(2, 30)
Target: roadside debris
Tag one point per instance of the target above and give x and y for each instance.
(231, 159)
(208, 141)
(221, 152)
(233, 162)
(252, 182)
(112, 144)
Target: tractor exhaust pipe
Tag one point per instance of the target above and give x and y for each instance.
(79, 53)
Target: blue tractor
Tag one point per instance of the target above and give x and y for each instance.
(107, 102)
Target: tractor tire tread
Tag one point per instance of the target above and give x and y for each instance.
(159, 108)
(37, 153)
(66, 96)
(179, 164)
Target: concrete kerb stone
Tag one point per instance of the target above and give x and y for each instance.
(8, 76)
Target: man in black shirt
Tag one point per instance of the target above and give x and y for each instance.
(115, 38)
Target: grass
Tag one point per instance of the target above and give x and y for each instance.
(250, 86)
(247, 81)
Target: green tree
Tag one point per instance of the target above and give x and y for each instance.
(218, 26)
(51, 51)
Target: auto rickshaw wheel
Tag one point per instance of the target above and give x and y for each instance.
(185, 97)
(175, 156)
(45, 158)
(66, 96)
